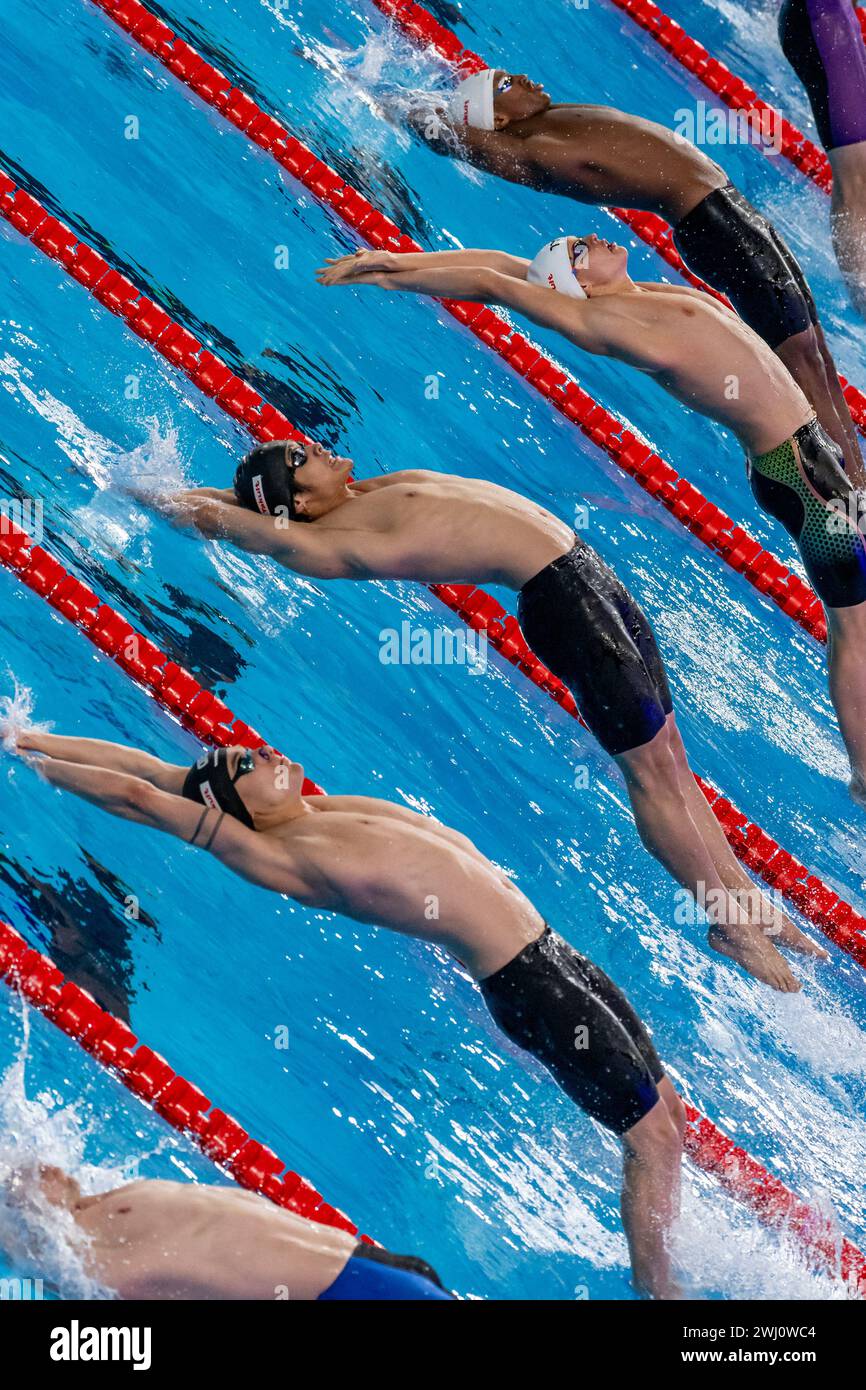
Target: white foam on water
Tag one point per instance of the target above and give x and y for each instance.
(38, 1239)
(722, 1252)
(16, 714)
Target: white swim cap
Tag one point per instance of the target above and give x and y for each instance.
(552, 267)
(472, 102)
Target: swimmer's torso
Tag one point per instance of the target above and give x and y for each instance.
(710, 360)
(447, 529)
(391, 867)
(160, 1239)
(597, 154)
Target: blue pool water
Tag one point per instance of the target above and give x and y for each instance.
(396, 1096)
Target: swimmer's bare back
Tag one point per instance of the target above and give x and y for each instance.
(426, 526)
(598, 155)
(171, 1240)
(706, 357)
(344, 852)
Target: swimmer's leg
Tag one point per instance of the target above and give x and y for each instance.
(665, 818)
(652, 1158)
(810, 363)
(756, 910)
(848, 218)
(854, 465)
(846, 660)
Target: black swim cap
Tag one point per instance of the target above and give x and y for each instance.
(210, 783)
(265, 479)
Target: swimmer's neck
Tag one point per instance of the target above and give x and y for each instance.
(281, 819)
(624, 285)
(531, 125)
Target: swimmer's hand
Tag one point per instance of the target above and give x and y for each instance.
(368, 266)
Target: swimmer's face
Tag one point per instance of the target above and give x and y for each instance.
(273, 786)
(606, 262)
(515, 98)
(318, 480)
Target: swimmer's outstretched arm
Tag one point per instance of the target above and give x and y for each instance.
(296, 544)
(344, 270)
(590, 323)
(113, 757)
(255, 857)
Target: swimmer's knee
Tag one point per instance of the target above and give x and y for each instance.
(676, 745)
(802, 355)
(656, 1138)
(653, 767)
(675, 1108)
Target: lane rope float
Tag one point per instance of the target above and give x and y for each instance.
(149, 321)
(421, 27)
(150, 1077)
(682, 499)
(212, 721)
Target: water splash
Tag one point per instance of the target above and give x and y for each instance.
(154, 466)
(16, 715)
(37, 1239)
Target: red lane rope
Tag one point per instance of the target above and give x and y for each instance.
(681, 498)
(178, 689)
(734, 92)
(211, 720)
(418, 24)
(150, 1077)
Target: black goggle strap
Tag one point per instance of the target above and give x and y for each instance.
(217, 823)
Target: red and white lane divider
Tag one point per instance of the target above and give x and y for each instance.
(150, 1077)
(819, 903)
(420, 26)
(734, 92)
(684, 501)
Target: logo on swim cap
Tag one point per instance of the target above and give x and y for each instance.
(207, 795)
(259, 495)
(472, 102)
(553, 268)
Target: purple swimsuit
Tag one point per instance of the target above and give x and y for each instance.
(822, 41)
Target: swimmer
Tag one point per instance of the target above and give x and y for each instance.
(694, 347)
(378, 862)
(297, 504)
(154, 1239)
(823, 43)
(506, 125)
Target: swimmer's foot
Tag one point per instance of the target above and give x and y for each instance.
(751, 949)
(783, 932)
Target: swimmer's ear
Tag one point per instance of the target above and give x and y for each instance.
(500, 121)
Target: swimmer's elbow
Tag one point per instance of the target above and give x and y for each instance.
(497, 287)
(134, 798)
(515, 267)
